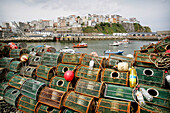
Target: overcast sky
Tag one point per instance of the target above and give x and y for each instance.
(153, 13)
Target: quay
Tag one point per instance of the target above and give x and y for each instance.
(75, 38)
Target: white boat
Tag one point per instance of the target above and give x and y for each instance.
(125, 41)
(115, 44)
(66, 49)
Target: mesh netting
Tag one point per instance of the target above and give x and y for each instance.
(114, 77)
(113, 106)
(161, 97)
(78, 102)
(26, 104)
(142, 59)
(31, 88)
(72, 58)
(35, 60)
(45, 72)
(46, 109)
(69, 111)
(32, 49)
(11, 96)
(150, 76)
(162, 47)
(28, 71)
(86, 73)
(16, 53)
(51, 97)
(15, 66)
(118, 92)
(115, 59)
(89, 88)
(51, 59)
(42, 50)
(62, 68)
(5, 62)
(98, 61)
(47, 82)
(17, 81)
(3, 86)
(59, 83)
(10, 74)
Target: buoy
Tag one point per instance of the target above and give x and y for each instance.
(132, 77)
(69, 75)
(12, 45)
(24, 57)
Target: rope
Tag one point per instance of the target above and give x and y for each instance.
(162, 61)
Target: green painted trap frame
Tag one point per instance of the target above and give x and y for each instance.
(5, 62)
(28, 71)
(69, 58)
(115, 77)
(16, 53)
(45, 72)
(89, 88)
(34, 60)
(15, 66)
(46, 109)
(31, 88)
(86, 73)
(113, 106)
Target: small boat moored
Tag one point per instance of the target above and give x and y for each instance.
(113, 52)
(115, 44)
(80, 45)
(66, 49)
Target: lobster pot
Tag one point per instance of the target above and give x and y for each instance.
(35, 60)
(26, 104)
(69, 111)
(80, 103)
(16, 53)
(11, 74)
(42, 50)
(149, 50)
(51, 97)
(17, 81)
(15, 66)
(98, 61)
(115, 77)
(51, 59)
(89, 88)
(151, 76)
(62, 68)
(3, 73)
(152, 109)
(162, 47)
(11, 96)
(118, 92)
(3, 87)
(46, 82)
(21, 45)
(5, 62)
(86, 73)
(115, 59)
(31, 49)
(46, 109)
(144, 60)
(45, 72)
(28, 71)
(113, 106)
(4, 49)
(72, 58)
(31, 88)
(161, 97)
(60, 83)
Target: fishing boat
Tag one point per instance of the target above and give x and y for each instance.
(80, 45)
(113, 52)
(66, 49)
(115, 44)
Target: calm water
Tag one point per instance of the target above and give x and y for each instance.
(99, 46)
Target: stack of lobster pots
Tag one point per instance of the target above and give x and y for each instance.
(152, 66)
(32, 80)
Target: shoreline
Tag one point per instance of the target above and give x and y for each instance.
(74, 39)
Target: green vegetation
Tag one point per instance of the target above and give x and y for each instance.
(147, 29)
(105, 28)
(138, 27)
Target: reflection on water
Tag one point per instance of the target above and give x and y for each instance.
(98, 46)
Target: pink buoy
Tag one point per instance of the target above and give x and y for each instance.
(69, 75)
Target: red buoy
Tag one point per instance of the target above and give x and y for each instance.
(69, 75)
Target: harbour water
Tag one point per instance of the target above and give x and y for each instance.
(98, 46)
